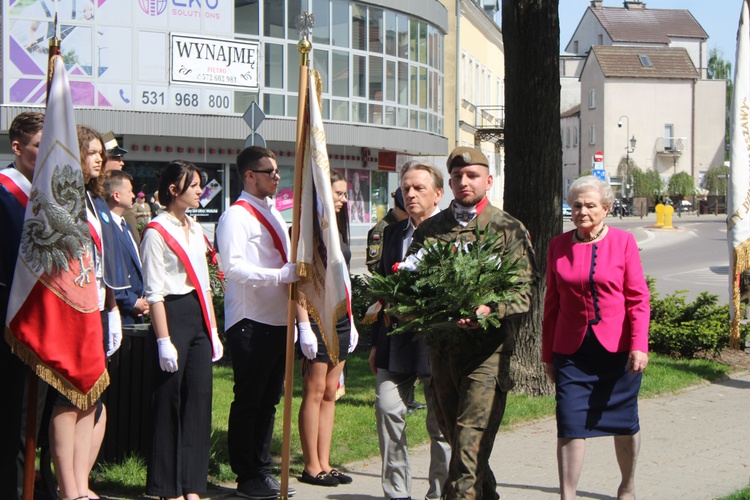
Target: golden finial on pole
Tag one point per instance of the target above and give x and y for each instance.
(304, 25)
(54, 50)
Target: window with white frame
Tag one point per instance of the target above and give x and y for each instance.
(575, 137)
(464, 75)
(480, 97)
(500, 92)
(567, 137)
(488, 88)
(592, 135)
(378, 65)
(592, 98)
(668, 137)
(470, 88)
(477, 83)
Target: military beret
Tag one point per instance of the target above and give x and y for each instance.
(398, 197)
(463, 156)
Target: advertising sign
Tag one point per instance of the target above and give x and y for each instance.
(214, 61)
(117, 53)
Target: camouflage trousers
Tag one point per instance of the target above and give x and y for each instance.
(469, 405)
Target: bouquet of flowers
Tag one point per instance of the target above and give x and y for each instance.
(444, 282)
(215, 274)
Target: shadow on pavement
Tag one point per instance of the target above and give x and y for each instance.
(547, 489)
(735, 384)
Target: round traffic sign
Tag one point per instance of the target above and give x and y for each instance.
(598, 156)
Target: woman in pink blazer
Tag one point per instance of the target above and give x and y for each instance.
(595, 335)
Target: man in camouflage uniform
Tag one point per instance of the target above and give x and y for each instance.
(375, 235)
(470, 381)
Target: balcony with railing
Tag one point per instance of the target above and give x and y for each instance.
(670, 146)
(489, 122)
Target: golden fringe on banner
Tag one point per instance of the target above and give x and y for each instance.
(340, 310)
(741, 264)
(80, 400)
(371, 315)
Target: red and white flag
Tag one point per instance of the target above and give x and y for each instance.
(325, 287)
(53, 321)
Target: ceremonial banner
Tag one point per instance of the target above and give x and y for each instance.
(738, 207)
(325, 288)
(53, 321)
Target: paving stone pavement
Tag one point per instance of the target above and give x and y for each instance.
(696, 445)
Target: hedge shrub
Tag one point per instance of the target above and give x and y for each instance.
(681, 328)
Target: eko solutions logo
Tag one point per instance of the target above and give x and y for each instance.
(153, 7)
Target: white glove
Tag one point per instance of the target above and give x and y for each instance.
(167, 354)
(288, 273)
(216, 345)
(353, 336)
(114, 325)
(308, 342)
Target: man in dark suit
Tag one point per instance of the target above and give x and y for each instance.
(118, 186)
(398, 361)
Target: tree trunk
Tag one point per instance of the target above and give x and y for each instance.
(533, 155)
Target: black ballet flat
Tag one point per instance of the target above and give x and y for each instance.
(322, 479)
(340, 476)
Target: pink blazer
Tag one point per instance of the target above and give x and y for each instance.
(617, 308)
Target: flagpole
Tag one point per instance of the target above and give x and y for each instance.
(304, 24)
(32, 392)
(738, 234)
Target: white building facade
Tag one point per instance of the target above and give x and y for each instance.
(172, 79)
(644, 78)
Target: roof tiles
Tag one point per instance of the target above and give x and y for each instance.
(648, 25)
(624, 62)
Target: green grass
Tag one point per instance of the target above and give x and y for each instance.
(668, 375)
(743, 494)
(355, 435)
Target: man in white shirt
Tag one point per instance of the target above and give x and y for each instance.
(118, 188)
(254, 246)
(399, 360)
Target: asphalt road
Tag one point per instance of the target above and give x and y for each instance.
(693, 257)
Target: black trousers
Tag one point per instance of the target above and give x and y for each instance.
(178, 460)
(14, 375)
(258, 362)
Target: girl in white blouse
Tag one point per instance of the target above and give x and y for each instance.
(176, 283)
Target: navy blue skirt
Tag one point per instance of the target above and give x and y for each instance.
(595, 394)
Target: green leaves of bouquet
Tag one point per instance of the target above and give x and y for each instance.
(446, 281)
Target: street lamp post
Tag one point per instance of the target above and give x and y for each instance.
(629, 148)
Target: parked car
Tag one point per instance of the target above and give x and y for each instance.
(566, 212)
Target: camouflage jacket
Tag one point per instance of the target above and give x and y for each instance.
(516, 244)
(375, 241)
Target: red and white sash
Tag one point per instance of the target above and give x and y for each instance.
(16, 184)
(181, 254)
(277, 242)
